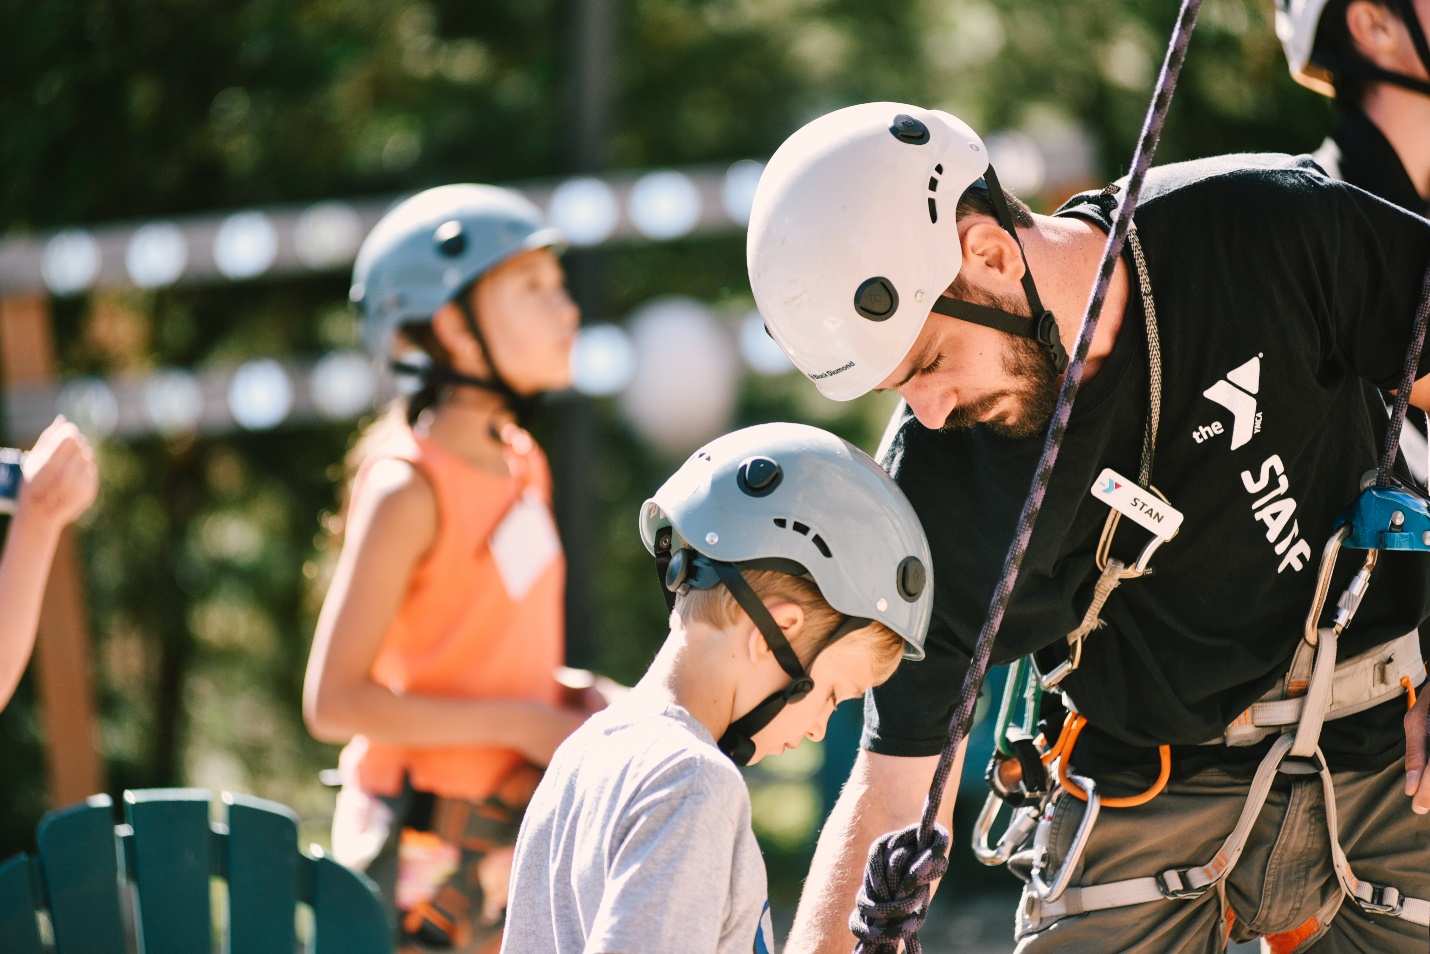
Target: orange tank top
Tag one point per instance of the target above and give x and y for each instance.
(482, 617)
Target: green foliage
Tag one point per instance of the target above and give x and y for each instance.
(203, 557)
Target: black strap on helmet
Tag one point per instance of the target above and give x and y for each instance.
(521, 406)
(1042, 327)
(687, 568)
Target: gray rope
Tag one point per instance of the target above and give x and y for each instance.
(903, 865)
(1407, 382)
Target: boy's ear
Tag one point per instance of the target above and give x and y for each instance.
(788, 616)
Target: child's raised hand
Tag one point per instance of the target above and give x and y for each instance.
(61, 479)
(587, 691)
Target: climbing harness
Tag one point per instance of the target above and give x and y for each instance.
(903, 865)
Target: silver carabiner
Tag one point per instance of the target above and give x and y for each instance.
(1020, 826)
(1350, 598)
(1049, 891)
(1145, 557)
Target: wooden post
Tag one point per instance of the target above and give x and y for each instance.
(62, 656)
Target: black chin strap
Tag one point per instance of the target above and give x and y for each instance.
(738, 742)
(1042, 327)
(686, 568)
(522, 406)
(1369, 71)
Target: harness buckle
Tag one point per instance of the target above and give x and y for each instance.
(1384, 899)
(1173, 886)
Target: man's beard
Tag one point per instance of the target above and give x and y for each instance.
(1034, 392)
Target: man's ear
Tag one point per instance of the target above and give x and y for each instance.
(990, 255)
(1373, 32)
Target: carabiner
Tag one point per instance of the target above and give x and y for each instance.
(1020, 826)
(1145, 557)
(1049, 891)
(1350, 599)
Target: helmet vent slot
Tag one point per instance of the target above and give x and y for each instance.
(803, 530)
(933, 211)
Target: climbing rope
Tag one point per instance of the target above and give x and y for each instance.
(903, 865)
(1407, 381)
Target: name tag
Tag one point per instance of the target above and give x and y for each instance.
(1130, 499)
(524, 544)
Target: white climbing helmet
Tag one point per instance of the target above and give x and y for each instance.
(852, 237)
(1297, 22)
(429, 248)
(798, 495)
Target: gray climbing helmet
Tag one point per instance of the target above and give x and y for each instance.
(793, 495)
(432, 246)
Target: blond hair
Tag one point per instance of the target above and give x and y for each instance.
(717, 607)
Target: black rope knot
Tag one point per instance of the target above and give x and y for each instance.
(894, 899)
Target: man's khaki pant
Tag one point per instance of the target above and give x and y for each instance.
(1283, 879)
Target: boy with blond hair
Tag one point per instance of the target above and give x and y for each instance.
(798, 576)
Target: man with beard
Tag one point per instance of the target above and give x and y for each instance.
(1255, 297)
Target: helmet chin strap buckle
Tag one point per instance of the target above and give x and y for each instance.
(1045, 331)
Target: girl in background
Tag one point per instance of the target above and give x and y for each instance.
(438, 647)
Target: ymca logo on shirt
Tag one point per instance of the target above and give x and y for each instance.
(1267, 485)
(1237, 393)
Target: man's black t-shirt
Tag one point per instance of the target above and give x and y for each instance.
(1359, 153)
(1278, 290)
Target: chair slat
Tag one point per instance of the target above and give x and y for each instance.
(262, 861)
(80, 869)
(18, 929)
(348, 917)
(171, 853)
(172, 868)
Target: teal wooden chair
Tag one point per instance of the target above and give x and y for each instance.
(96, 884)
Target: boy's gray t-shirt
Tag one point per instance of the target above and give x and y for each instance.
(638, 839)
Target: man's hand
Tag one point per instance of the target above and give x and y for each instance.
(61, 479)
(1417, 740)
(883, 793)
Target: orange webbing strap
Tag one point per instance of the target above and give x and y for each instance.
(1409, 692)
(1063, 750)
(1288, 941)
